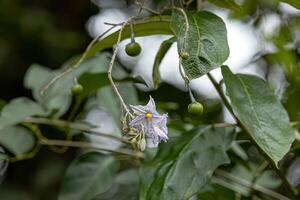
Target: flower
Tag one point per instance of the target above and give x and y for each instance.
(154, 124)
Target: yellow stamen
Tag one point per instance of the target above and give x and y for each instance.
(148, 115)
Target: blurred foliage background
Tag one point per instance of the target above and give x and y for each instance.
(46, 32)
(49, 32)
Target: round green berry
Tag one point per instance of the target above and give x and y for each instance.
(195, 108)
(77, 89)
(184, 55)
(133, 49)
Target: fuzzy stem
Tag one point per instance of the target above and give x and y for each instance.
(109, 72)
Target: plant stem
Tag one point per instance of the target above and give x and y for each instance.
(72, 125)
(109, 72)
(286, 183)
(70, 69)
(248, 184)
(80, 144)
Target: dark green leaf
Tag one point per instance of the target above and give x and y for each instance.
(294, 3)
(17, 110)
(88, 175)
(2, 104)
(150, 26)
(206, 41)
(163, 49)
(216, 192)
(17, 140)
(184, 166)
(259, 110)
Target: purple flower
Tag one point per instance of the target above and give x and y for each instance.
(154, 124)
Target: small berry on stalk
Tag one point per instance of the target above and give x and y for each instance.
(184, 55)
(195, 108)
(77, 89)
(133, 49)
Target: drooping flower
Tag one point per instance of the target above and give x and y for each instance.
(154, 124)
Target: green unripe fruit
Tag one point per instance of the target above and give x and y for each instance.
(77, 89)
(184, 55)
(195, 108)
(133, 49)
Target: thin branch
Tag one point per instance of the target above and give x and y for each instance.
(72, 125)
(70, 69)
(80, 144)
(187, 27)
(247, 184)
(142, 7)
(199, 4)
(286, 183)
(109, 73)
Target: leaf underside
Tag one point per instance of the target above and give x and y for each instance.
(259, 110)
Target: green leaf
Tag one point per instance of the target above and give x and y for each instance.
(163, 49)
(259, 110)
(206, 41)
(92, 74)
(184, 166)
(230, 4)
(216, 192)
(294, 3)
(150, 26)
(2, 104)
(88, 175)
(17, 110)
(107, 99)
(17, 140)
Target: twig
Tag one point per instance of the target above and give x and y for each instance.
(199, 4)
(142, 7)
(246, 183)
(80, 144)
(72, 125)
(70, 69)
(187, 27)
(257, 173)
(286, 183)
(109, 72)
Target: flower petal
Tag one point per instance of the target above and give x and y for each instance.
(151, 105)
(138, 120)
(138, 109)
(161, 135)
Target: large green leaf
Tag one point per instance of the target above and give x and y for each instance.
(184, 166)
(294, 3)
(88, 175)
(150, 26)
(206, 41)
(163, 49)
(17, 110)
(17, 140)
(258, 109)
